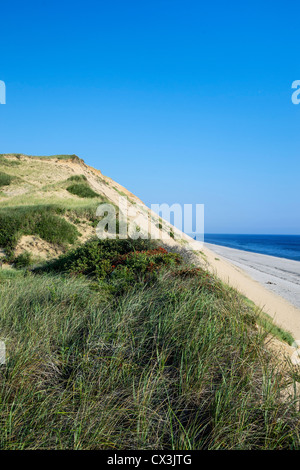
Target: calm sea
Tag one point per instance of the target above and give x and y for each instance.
(284, 246)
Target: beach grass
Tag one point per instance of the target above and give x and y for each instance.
(267, 324)
(178, 363)
(119, 345)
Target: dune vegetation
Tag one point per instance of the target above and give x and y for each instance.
(174, 359)
(82, 190)
(124, 344)
(5, 179)
(34, 220)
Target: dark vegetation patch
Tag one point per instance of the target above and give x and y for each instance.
(77, 178)
(44, 221)
(23, 260)
(5, 180)
(119, 263)
(82, 190)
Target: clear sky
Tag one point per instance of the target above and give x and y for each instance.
(179, 101)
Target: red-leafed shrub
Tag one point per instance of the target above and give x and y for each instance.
(146, 260)
(118, 264)
(142, 265)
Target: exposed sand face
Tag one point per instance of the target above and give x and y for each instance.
(250, 273)
(37, 247)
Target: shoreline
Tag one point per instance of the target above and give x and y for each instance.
(272, 283)
(252, 251)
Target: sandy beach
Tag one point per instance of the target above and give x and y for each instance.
(272, 283)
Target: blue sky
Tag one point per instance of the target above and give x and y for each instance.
(179, 101)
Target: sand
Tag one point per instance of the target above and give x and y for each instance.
(272, 283)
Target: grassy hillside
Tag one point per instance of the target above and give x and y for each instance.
(173, 361)
(48, 199)
(68, 188)
(119, 344)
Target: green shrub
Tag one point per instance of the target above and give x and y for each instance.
(140, 267)
(89, 258)
(43, 221)
(23, 260)
(77, 178)
(5, 179)
(120, 263)
(82, 190)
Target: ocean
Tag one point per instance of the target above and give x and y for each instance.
(283, 246)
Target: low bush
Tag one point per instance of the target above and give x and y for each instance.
(5, 179)
(88, 257)
(23, 260)
(77, 178)
(82, 190)
(43, 221)
(119, 263)
(146, 261)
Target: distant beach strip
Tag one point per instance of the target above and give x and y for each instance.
(272, 283)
